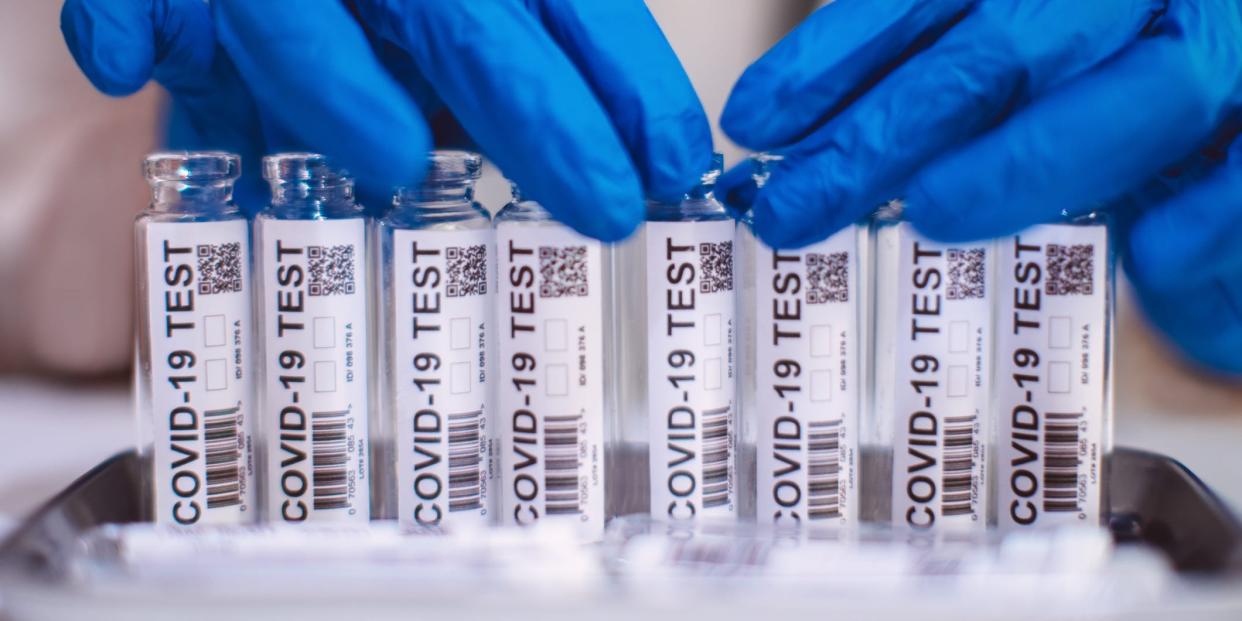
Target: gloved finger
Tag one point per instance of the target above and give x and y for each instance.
(1204, 321)
(1079, 145)
(795, 207)
(1194, 236)
(824, 62)
(314, 70)
(621, 52)
(736, 187)
(525, 104)
(999, 54)
(121, 44)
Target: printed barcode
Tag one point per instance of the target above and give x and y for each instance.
(967, 273)
(719, 557)
(220, 431)
(715, 266)
(824, 473)
(464, 443)
(828, 277)
(329, 451)
(959, 465)
(1061, 462)
(560, 473)
(717, 429)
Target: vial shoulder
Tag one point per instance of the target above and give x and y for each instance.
(313, 210)
(524, 212)
(153, 216)
(706, 209)
(469, 216)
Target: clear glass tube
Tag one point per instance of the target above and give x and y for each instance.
(803, 372)
(436, 290)
(676, 289)
(554, 399)
(927, 436)
(312, 257)
(1054, 385)
(195, 401)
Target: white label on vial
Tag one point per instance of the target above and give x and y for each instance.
(941, 359)
(550, 394)
(1051, 375)
(315, 397)
(198, 303)
(807, 384)
(690, 362)
(442, 305)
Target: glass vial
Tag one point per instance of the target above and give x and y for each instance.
(676, 291)
(927, 442)
(196, 407)
(311, 246)
(436, 290)
(802, 372)
(1054, 374)
(552, 396)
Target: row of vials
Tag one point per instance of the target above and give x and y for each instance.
(313, 364)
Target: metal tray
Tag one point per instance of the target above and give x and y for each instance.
(1154, 500)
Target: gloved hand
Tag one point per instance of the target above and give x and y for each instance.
(991, 115)
(581, 102)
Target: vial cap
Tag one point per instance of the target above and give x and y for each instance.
(714, 171)
(191, 167)
(761, 166)
(707, 180)
(452, 167)
(311, 168)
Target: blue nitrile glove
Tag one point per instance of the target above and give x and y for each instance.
(1184, 234)
(991, 115)
(581, 102)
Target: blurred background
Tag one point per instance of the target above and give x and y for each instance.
(70, 185)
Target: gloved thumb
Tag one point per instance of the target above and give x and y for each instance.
(736, 187)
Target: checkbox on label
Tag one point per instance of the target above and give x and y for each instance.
(959, 380)
(712, 372)
(459, 378)
(217, 374)
(821, 386)
(325, 376)
(821, 341)
(555, 335)
(325, 332)
(214, 333)
(557, 381)
(712, 329)
(959, 337)
(459, 333)
(1060, 332)
(1059, 377)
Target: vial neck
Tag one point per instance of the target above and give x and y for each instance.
(702, 191)
(436, 199)
(180, 197)
(692, 207)
(306, 199)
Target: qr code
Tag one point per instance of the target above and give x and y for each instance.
(563, 271)
(715, 266)
(331, 269)
(467, 270)
(219, 268)
(966, 273)
(828, 277)
(1070, 269)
